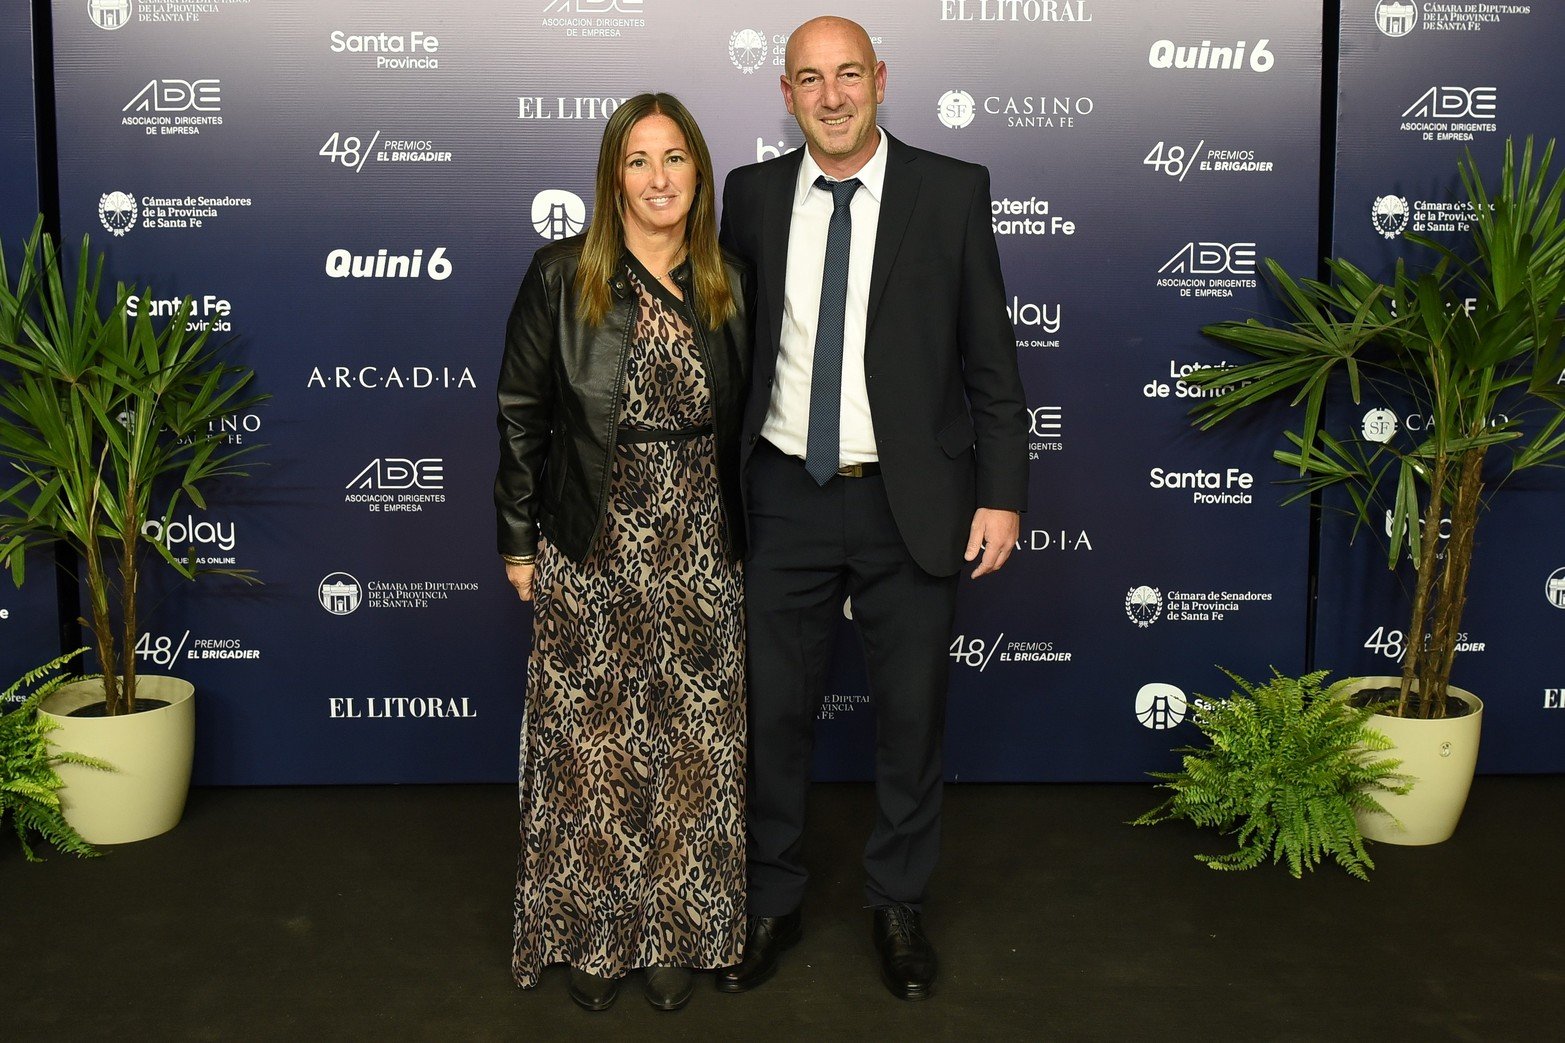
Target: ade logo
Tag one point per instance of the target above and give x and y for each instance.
(593, 6)
(1045, 421)
(398, 473)
(1456, 103)
(1202, 258)
(178, 96)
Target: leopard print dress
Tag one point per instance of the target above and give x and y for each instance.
(633, 739)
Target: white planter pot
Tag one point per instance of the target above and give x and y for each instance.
(151, 750)
(1441, 755)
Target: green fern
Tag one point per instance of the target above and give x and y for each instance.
(1288, 763)
(29, 785)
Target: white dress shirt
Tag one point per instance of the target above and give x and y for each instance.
(788, 417)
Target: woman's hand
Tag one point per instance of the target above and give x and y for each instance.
(521, 577)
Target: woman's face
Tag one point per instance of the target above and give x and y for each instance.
(657, 176)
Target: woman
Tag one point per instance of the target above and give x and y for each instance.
(626, 357)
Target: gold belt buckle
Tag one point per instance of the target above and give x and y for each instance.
(851, 471)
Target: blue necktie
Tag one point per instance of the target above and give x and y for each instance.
(822, 453)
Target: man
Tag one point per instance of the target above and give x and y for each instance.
(884, 443)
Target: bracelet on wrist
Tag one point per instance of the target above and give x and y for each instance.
(519, 559)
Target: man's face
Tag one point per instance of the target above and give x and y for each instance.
(832, 87)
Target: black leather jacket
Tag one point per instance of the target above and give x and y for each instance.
(561, 387)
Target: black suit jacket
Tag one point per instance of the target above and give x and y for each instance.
(939, 355)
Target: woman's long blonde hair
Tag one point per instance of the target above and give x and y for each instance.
(605, 242)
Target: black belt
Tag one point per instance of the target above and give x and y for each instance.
(865, 470)
(639, 435)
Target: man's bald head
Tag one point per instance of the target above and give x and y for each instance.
(831, 25)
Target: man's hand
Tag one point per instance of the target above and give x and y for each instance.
(995, 533)
(521, 577)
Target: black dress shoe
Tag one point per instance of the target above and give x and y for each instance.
(907, 960)
(593, 991)
(765, 940)
(669, 988)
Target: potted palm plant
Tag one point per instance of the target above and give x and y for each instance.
(103, 415)
(1468, 339)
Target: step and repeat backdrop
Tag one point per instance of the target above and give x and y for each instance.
(351, 191)
(28, 615)
(1420, 84)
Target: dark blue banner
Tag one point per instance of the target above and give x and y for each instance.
(350, 193)
(29, 635)
(1421, 84)
(19, 172)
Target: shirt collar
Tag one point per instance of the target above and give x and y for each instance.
(872, 175)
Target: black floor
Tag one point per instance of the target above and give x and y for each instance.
(383, 914)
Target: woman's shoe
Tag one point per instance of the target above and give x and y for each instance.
(593, 991)
(669, 988)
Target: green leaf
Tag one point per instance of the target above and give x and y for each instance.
(1286, 765)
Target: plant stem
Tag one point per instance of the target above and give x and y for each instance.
(130, 576)
(98, 592)
(1423, 585)
(1453, 580)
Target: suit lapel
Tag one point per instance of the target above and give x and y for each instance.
(896, 211)
(776, 219)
